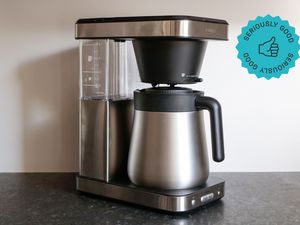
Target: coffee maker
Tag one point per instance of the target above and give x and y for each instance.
(144, 142)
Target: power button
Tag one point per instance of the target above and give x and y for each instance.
(207, 197)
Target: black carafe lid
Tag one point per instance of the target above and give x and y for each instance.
(165, 99)
(168, 90)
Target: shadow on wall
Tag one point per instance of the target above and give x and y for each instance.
(50, 112)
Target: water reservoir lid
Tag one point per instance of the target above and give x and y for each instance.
(175, 26)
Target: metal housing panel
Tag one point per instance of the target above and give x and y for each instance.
(120, 125)
(105, 129)
(93, 135)
(179, 28)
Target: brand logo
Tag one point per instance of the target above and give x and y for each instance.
(188, 75)
(268, 47)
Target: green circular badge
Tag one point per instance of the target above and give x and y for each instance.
(268, 47)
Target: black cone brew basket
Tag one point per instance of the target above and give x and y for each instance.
(169, 61)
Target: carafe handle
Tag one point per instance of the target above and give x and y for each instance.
(215, 112)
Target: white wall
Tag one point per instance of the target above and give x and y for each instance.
(39, 80)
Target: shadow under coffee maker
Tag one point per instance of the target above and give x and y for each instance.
(147, 146)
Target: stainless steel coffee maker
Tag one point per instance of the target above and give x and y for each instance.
(144, 142)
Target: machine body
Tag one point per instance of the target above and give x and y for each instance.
(140, 144)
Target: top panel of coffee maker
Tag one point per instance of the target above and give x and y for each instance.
(189, 27)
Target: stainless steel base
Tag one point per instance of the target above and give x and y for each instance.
(171, 201)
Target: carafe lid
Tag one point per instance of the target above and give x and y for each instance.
(168, 90)
(165, 99)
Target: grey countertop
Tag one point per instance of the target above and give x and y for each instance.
(51, 198)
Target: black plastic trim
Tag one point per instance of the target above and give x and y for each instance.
(216, 124)
(149, 18)
(165, 99)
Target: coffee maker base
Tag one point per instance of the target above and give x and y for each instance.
(166, 200)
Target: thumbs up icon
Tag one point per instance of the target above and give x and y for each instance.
(269, 48)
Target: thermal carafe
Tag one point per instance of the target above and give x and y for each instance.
(168, 144)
